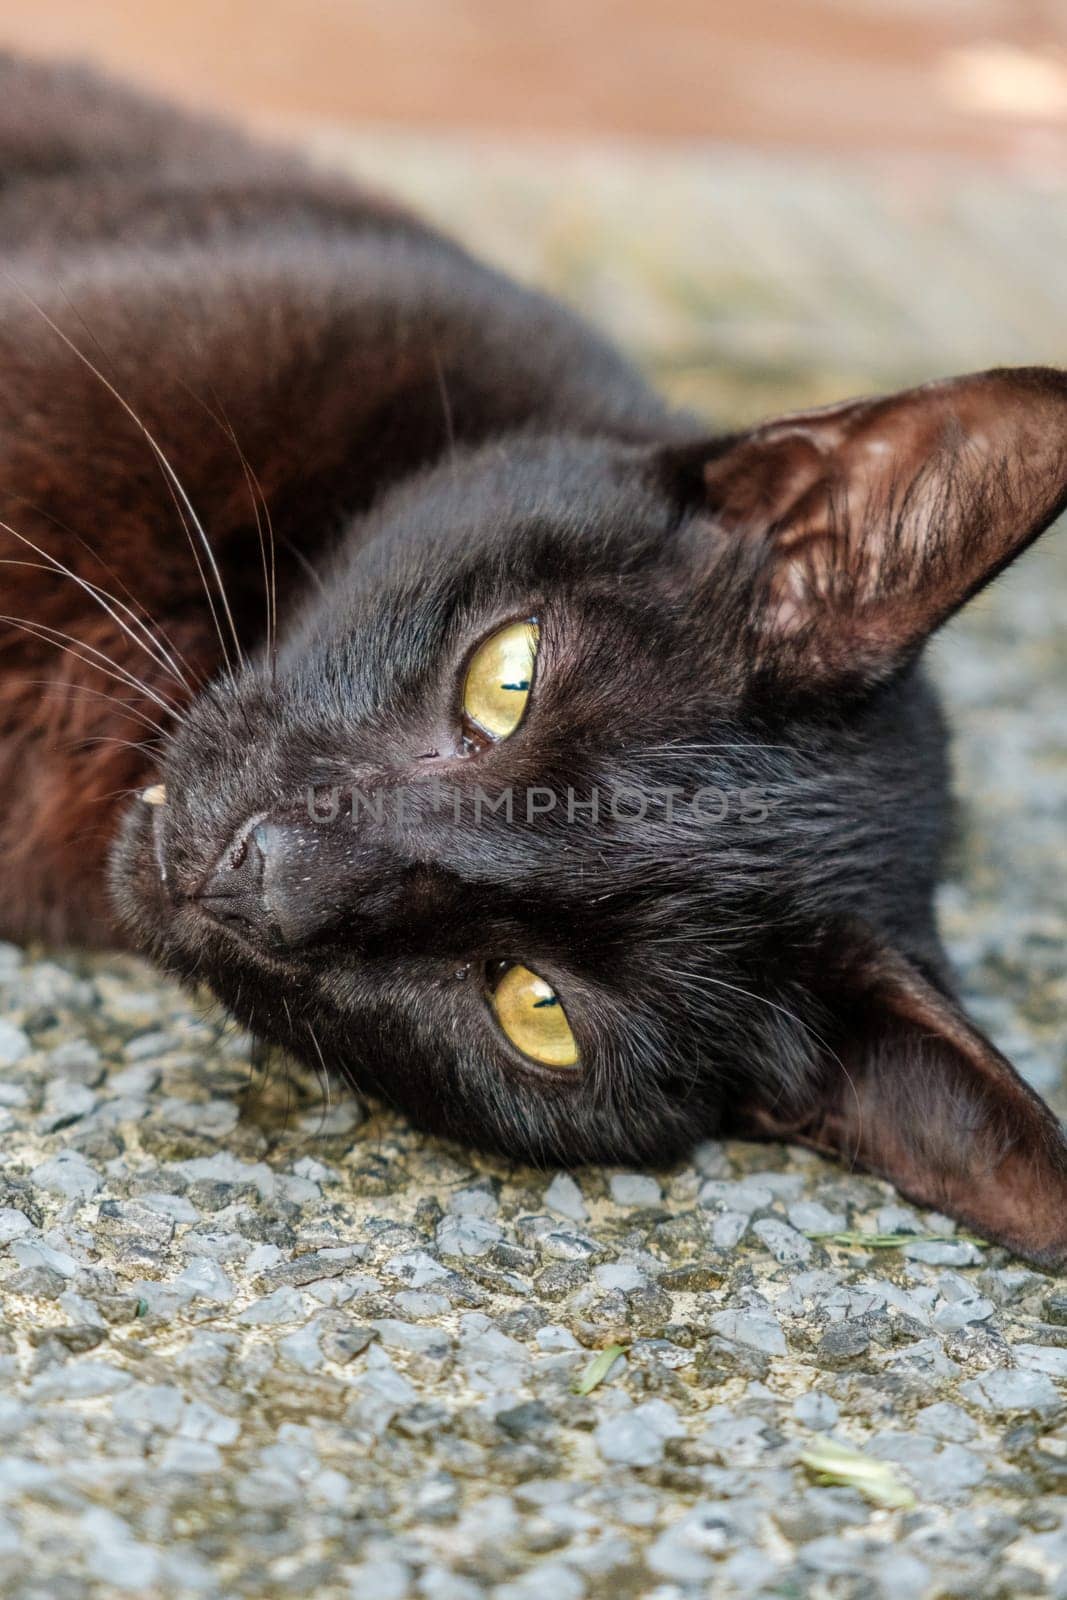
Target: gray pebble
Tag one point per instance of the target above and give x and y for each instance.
(899, 1575)
(417, 1269)
(898, 1219)
(816, 1411)
(410, 1337)
(78, 1060)
(728, 1229)
(561, 1246)
(808, 1216)
(13, 1224)
(555, 1339)
(65, 1102)
(67, 1174)
(636, 1438)
(943, 1253)
(564, 1197)
(14, 1045)
(136, 1081)
(756, 1330)
(1050, 1359)
(174, 1206)
(36, 1253)
(956, 1314)
(747, 1197)
(150, 1405)
(635, 1189)
(435, 1583)
(787, 1246)
(190, 1457)
(284, 1305)
(146, 1045)
(415, 1305)
(115, 1556)
(384, 1580)
(687, 1551)
(206, 1280)
(1006, 1389)
(619, 1275)
(944, 1420)
(467, 1236)
(303, 1348)
(474, 1202)
(550, 1578)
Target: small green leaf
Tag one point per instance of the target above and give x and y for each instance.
(598, 1369)
(869, 1241)
(141, 1308)
(834, 1463)
(894, 1241)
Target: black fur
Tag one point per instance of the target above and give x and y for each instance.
(442, 452)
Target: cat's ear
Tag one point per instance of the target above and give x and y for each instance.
(908, 1088)
(869, 523)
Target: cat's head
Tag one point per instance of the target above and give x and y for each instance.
(594, 800)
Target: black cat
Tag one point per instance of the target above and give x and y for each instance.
(576, 786)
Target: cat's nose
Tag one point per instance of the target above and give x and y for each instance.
(265, 885)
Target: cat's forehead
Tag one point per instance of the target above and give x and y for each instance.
(530, 503)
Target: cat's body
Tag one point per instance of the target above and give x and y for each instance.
(193, 333)
(345, 343)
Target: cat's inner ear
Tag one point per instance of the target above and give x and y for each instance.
(871, 522)
(908, 1088)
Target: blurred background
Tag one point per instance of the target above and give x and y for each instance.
(769, 201)
(973, 77)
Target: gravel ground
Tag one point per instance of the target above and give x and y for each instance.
(258, 1344)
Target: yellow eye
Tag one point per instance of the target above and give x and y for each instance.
(531, 1016)
(499, 679)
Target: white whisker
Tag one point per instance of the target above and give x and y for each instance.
(111, 669)
(149, 644)
(177, 489)
(142, 612)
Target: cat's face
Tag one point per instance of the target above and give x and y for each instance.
(384, 926)
(550, 819)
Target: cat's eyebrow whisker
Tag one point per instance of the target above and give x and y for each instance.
(303, 563)
(264, 522)
(149, 643)
(446, 404)
(102, 662)
(659, 751)
(174, 483)
(267, 550)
